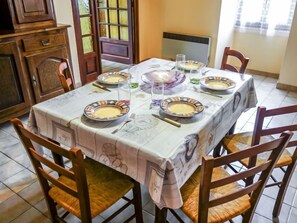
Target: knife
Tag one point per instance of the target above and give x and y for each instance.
(101, 86)
(170, 121)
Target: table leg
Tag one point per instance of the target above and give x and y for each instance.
(160, 215)
(57, 158)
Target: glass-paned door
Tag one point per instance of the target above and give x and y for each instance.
(87, 40)
(115, 25)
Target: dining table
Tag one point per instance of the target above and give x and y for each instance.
(156, 153)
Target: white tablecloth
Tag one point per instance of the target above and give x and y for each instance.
(155, 153)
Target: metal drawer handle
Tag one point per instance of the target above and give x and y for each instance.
(45, 42)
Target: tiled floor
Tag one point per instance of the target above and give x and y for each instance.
(21, 199)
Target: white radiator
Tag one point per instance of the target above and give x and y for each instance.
(194, 47)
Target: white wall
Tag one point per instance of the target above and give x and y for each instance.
(288, 73)
(226, 29)
(63, 9)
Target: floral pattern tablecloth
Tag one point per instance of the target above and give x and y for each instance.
(155, 153)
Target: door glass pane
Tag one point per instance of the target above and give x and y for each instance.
(113, 16)
(124, 33)
(112, 3)
(102, 3)
(123, 17)
(102, 15)
(104, 31)
(88, 44)
(84, 7)
(123, 4)
(114, 34)
(85, 24)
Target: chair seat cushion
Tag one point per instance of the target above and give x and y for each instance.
(236, 142)
(106, 186)
(217, 214)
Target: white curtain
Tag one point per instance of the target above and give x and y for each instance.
(265, 16)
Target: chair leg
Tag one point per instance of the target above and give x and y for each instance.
(137, 202)
(282, 190)
(160, 215)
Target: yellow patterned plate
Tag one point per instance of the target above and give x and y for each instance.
(217, 83)
(113, 77)
(181, 106)
(190, 65)
(107, 110)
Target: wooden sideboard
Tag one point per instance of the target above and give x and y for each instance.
(28, 68)
(31, 47)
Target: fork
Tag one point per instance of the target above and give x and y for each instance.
(131, 117)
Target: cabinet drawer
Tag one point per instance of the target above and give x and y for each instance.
(43, 42)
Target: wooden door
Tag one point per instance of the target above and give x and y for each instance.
(86, 39)
(43, 68)
(116, 24)
(104, 29)
(14, 87)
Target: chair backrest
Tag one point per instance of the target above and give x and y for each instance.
(76, 173)
(255, 189)
(65, 75)
(228, 53)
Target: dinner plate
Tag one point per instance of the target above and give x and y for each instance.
(113, 78)
(181, 106)
(170, 78)
(190, 65)
(107, 110)
(217, 83)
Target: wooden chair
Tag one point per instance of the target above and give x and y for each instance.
(264, 133)
(65, 76)
(228, 53)
(86, 189)
(212, 195)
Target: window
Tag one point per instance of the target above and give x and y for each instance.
(265, 16)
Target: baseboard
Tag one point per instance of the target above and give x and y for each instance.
(286, 87)
(262, 73)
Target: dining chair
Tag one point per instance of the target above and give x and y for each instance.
(211, 194)
(86, 189)
(228, 54)
(66, 76)
(267, 125)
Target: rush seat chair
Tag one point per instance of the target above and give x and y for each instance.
(86, 189)
(229, 53)
(268, 123)
(66, 76)
(212, 195)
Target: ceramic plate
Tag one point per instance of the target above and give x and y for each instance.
(113, 77)
(181, 106)
(170, 78)
(192, 65)
(106, 110)
(217, 83)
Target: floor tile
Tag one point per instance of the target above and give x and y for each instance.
(5, 193)
(293, 216)
(32, 194)
(32, 216)
(12, 208)
(9, 169)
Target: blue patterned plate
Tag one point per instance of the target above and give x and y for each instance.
(217, 83)
(113, 77)
(107, 110)
(181, 106)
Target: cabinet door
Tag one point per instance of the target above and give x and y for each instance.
(15, 99)
(28, 11)
(43, 68)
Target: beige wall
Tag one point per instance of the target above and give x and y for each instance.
(191, 17)
(288, 73)
(64, 15)
(266, 53)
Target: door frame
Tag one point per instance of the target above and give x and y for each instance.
(90, 64)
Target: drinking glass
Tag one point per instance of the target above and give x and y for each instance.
(157, 93)
(124, 92)
(180, 59)
(133, 71)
